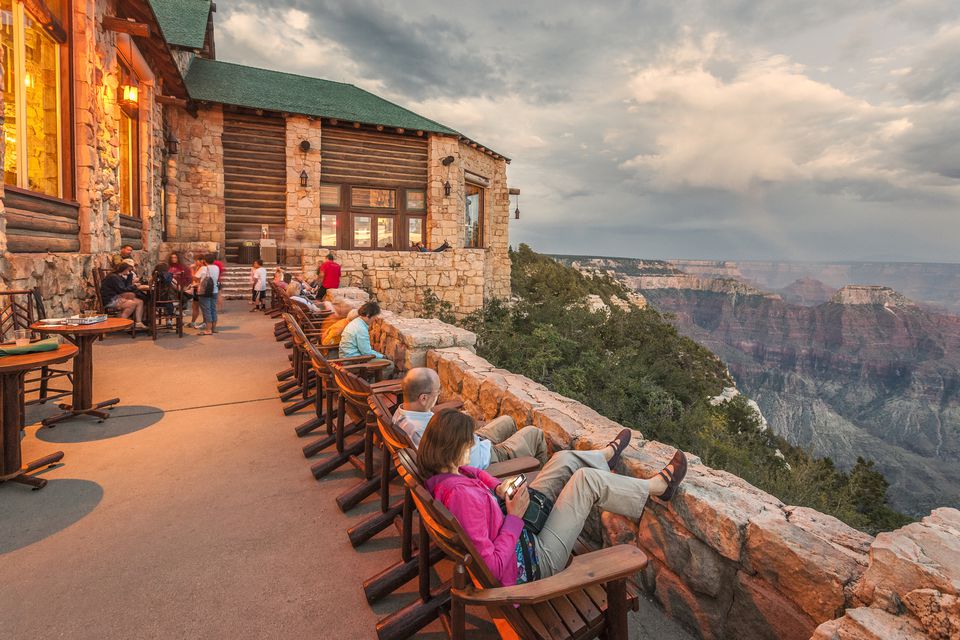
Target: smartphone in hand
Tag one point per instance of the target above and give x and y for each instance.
(515, 485)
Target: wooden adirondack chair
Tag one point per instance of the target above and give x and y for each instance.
(355, 392)
(588, 599)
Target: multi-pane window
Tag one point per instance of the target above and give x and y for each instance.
(32, 126)
(361, 217)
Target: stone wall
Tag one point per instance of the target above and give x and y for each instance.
(195, 205)
(399, 279)
(303, 204)
(65, 278)
(727, 559)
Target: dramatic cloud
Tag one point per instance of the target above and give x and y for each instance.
(719, 129)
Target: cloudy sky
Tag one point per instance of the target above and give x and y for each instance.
(809, 129)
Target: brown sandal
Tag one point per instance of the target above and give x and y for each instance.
(673, 477)
(619, 444)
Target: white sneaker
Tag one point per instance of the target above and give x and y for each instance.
(141, 326)
(202, 325)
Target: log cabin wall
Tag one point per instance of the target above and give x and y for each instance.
(373, 158)
(254, 177)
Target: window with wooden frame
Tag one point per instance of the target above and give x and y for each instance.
(36, 97)
(128, 170)
(364, 217)
(473, 216)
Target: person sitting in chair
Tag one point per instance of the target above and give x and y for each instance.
(575, 481)
(117, 293)
(295, 292)
(355, 339)
(496, 441)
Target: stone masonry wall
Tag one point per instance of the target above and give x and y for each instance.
(399, 279)
(727, 559)
(303, 204)
(195, 206)
(496, 231)
(64, 278)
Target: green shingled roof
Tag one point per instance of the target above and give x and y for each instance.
(228, 83)
(183, 22)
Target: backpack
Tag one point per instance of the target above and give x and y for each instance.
(206, 285)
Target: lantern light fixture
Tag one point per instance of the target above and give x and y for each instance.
(446, 188)
(173, 145)
(129, 95)
(303, 178)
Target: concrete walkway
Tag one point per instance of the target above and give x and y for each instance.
(191, 513)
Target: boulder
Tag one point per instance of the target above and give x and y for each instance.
(707, 615)
(804, 567)
(866, 623)
(938, 613)
(717, 506)
(760, 612)
(921, 555)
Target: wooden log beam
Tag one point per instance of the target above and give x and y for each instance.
(126, 25)
(49, 22)
(173, 100)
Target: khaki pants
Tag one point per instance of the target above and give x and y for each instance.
(509, 443)
(578, 481)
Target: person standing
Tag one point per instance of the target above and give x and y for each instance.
(258, 282)
(195, 305)
(207, 279)
(219, 265)
(329, 273)
(181, 273)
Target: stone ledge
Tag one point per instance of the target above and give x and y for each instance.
(729, 559)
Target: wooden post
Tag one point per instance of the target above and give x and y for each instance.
(457, 610)
(617, 610)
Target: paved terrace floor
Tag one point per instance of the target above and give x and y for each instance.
(191, 513)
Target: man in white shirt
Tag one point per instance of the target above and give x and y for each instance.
(495, 441)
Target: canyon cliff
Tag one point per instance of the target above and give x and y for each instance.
(867, 373)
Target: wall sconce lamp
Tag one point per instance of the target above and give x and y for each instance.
(303, 178)
(447, 161)
(129, 95)
(173, 145)
(446, 188)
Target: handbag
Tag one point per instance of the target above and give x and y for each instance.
(537, 511)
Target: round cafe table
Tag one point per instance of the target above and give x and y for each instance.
(83, 336)
(12, 370)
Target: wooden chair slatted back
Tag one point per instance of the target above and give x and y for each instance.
(444, 529)
(395, 438)
(354, 389)
(16, 311)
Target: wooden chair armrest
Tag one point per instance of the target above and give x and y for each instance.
(449, 404)
(351, 359)
(371, 366)
(386, 386)
(512, 467)
(597, 567)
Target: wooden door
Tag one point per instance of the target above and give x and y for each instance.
(254, 178)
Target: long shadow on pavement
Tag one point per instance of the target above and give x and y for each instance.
(123, 420)
(28, 516)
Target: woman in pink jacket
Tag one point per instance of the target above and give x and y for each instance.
(576, 482)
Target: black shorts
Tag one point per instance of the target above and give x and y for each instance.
(259, 295)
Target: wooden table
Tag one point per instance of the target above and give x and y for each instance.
(83, 336)
(12, 370)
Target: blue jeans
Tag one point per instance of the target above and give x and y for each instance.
(208, 307)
